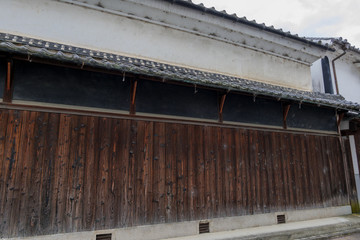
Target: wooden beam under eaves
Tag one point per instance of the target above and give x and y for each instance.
(133, 96)
(221, 107)
(340, 118)
(8, 84)
(286, 108)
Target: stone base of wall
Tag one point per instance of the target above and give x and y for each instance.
(161, 231)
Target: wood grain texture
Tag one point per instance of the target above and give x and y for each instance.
(357, 145)
(66, 173)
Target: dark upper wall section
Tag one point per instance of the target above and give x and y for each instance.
(2, 76)
(43, 83)
(52, 84)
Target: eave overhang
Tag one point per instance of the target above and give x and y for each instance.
(86, 57)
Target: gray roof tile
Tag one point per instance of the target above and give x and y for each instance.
(93, 58)
(244, 20)
(339, 40)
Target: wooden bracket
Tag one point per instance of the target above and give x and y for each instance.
(8, 84)
(221, 106)
(133, 96)
(286, 108)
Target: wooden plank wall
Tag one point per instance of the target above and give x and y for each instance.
(352, 182)
(65, 173)
(357, 145)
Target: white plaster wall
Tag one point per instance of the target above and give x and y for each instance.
(348, 76)
(79, 26)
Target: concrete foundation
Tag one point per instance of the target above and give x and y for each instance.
(171, 230)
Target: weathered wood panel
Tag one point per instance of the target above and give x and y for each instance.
(65, 173)
(352, 181)
(357, 145)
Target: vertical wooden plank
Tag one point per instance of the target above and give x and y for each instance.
(335, 185)
(47, 194)
(278, 171)
(123, 152)
(4, 114)
(181, 156)
(269, 156)
(114, 197)
(289, 197)
(131, 194)
(73, 165)
(310, 159)
(257, 171)
(308, 193)
(61, 168)
(35, 188)
(91, 174)
(291, 170)
(148, 172)
(298, 173)
(7, 124)
(160, 169)
(26, 154)
(79, 163)
(339, 158)
(192, 173)
(314, 173)
(109, 195)
(171, 142)
(250, 182)
(215, 158)
(244, 151)
(200, 172)
(357, 145)
(220, 170)
(327, 171)
(334, 169)
(238, 161)
(43, 122)
(10, 164)
(232, 172)
(104, 181)
(289, 156)
(139, 174)
(253, 184)
(263, 172)
(19, 172)
(207, 162)
(226, 145)
(320, 167)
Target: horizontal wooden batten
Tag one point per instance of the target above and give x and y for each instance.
(87, 111)
(62, 172)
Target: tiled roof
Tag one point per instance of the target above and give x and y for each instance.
(329, 41)
(50, 50)
(244, 20)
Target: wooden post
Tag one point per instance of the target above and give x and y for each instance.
(344, 157)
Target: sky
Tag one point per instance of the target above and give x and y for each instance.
(310, 18)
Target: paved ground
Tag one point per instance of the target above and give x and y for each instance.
(355, 236)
